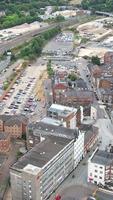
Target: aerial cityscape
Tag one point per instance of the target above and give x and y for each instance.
(56, 100)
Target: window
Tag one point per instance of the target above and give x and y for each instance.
(95, 176)
(90, 174)
(96, 170)
(100, 177)
(101, 172)
(96, 166)
(101, 167)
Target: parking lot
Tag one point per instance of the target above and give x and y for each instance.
(21, 97)
(61, 45)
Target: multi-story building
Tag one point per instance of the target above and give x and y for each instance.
(39, 172)
(67, 115)
(38, 131)
(4, 142)
(100, 167)
(15, 125)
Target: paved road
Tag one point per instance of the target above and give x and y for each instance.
(104, 196)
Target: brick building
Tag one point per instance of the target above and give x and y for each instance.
(4, 142)
(58, 89)
(15, 125)
(76, 98)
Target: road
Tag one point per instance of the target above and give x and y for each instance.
(81, 64)
(104, 196)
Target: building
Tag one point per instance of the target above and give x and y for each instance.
(4, 142)
(43, 130)
(39, 172)
(15, 125)
(58, 89)
(100, 167)
(108, 58)
(67, 115)
(76, 98)
(52, 121)
(90, 136)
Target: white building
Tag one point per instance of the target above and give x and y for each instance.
(67, 115)
(100, 167)
(39, 172)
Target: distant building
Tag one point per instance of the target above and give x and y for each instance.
(108, 58)
(39, 172)
(4, 142)
(100, 167)
(15, 125)
(67, 115)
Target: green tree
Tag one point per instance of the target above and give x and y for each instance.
(95, 60)
(72, 77)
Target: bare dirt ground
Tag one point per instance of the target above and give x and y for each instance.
(95, 30)
(75, 1)
(39, 91)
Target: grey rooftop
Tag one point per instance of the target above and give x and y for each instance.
(48, 129)
(42, 152)
(103, 158)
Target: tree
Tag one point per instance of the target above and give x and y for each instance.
(72, 77)
(95, 60)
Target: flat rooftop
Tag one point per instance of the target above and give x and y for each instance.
(61, 110)
(42, 152)
(102, 158)
(48, 129)
(52, 121)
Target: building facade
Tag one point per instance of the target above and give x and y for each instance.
(35, 178)
(4, 142)
(14, 125)
(100, 168)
